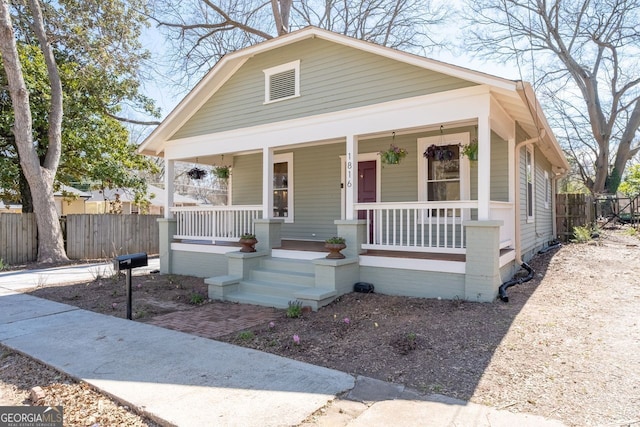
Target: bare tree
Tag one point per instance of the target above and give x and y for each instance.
(40, 178)
(202, 31)
(586, 54)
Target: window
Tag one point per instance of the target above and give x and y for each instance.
(445, 175)
(529, 171)
(282, 82)
(547, 190)
(283, 186)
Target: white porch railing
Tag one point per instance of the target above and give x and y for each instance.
(215, 222)
(426, 226)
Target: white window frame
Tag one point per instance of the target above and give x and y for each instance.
(530, 173)
(447, 139)
(286, 158)
(293, 65)
(547, 190)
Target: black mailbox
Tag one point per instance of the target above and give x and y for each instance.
(127, 262)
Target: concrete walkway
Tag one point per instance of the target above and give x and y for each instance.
(181, 379)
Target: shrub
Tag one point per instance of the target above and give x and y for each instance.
(294, 310)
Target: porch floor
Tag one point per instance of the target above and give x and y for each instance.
(317, 246)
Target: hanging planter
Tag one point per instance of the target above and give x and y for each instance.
(196, 173)
(438, 153)
(222, 172)
(393, 155)
(470, 150)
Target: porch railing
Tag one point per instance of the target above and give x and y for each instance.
(215, 222)
(425, 226)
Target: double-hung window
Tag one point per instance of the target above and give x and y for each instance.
(443, 174)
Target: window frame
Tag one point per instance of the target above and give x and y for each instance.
(269, 72)
(423, 163)
(285, 158)
(547, 190)
(530, 183)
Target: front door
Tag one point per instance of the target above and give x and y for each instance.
(367, 190)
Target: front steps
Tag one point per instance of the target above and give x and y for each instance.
(275, 282)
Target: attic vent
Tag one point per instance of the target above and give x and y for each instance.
(283, 85)
(282, 82)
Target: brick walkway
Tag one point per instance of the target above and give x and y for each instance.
(217, 319)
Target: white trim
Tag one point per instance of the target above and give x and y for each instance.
(291, 254)
(285, 158)
(437, 266)
(293, 65)
(507, 258)
(444, 139)
(529, 155)
(364, 157)
(421, 111)
(547, 190)
(208, 249)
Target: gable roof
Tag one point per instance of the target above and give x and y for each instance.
(522, 106)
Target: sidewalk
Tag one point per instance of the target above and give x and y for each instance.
(185, 380)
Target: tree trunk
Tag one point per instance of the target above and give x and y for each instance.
(40, 179)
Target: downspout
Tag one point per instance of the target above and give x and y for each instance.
(502, 290)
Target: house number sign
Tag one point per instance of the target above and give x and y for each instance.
(349, 172)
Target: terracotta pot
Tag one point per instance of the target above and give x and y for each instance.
(334, 250)
(248, 245)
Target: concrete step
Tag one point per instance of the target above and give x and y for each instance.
(279, 276)
(260, 287)
(288, 265)
(258, 299)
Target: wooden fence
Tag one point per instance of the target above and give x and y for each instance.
(18, 238)
(87, 236)
(573, 210)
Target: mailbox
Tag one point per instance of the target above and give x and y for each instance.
(127, 262)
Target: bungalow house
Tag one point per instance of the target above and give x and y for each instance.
(332, 136)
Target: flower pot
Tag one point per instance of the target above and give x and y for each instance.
(248, 245)
(334, 250)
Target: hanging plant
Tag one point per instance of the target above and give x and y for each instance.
(438, 153)
(470, 150)
(393, 155)
(196, 173)
(222, 172)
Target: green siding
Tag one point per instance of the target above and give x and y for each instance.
(534, 234)
(333, 77)
(246, 180)
(198, 264)
(316, 192)
(414, 283)
(499, 169)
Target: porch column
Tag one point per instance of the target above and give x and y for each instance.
(169, 175)
(267, 183)
(268, 233)
(484, 167)
(351, 175)
(482, 271)
(168, 228)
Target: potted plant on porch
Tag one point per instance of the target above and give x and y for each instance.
(335, 245)
(248, 242)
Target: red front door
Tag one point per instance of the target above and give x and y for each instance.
(367, 190)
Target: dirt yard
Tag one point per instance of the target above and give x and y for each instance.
(566, 346)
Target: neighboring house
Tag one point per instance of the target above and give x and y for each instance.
(122, 200)
(70, 200)
(10, 208)
(303, 120)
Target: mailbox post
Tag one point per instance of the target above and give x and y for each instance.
(129, 262)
